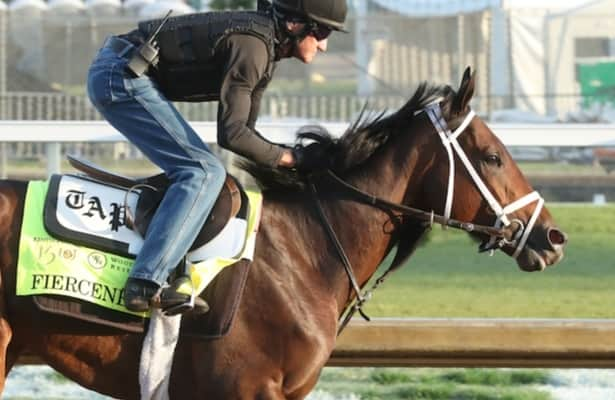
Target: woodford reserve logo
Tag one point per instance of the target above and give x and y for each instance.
(97, 260)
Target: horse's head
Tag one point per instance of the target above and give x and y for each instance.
(461, 171)
(486, 187)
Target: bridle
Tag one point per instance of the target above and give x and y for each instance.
(449, 140)
(497, 233)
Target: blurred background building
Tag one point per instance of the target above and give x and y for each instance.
(549, 59)
(536, 61)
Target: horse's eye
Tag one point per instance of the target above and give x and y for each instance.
(493, 159)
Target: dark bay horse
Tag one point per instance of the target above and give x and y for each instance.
(285, 328)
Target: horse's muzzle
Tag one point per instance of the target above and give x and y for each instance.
(545, 247)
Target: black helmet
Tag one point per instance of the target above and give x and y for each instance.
(331, 13)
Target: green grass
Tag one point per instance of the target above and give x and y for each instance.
(423, 383)
(448, 278)
(560, 168)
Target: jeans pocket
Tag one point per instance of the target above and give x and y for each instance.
(106, 82)
(117, 86)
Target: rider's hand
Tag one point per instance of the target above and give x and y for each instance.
(287, 160)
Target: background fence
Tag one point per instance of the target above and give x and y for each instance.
(46, 48)
(534, 64)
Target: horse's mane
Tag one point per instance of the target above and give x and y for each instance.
(364, 137)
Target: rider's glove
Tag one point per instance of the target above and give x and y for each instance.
(312, 158)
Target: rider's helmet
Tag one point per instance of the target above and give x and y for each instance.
(330, 14)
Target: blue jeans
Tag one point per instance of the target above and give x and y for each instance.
(136, 108)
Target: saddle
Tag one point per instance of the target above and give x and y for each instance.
(228, 219)
(229, 203)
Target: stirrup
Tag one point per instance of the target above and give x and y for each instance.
(179, 297)
(194, 304)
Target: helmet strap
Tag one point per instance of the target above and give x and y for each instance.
(285, 37)
(263, 5)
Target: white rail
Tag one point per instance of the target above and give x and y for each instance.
(54, 132)
(561, 135)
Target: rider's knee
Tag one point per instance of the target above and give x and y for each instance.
(216, 172)
(210, 173)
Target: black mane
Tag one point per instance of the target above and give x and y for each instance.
(360, 141)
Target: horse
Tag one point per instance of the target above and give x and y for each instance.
(298, 289)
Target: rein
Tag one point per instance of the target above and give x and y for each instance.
(430, 217)
(365, 198)
(497, 232)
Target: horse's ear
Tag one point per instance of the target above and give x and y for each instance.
(465, 92)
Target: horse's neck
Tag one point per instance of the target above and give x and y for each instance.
(394, 173)
(366, 233)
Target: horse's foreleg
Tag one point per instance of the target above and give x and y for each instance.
(6, 360)
(12, 355)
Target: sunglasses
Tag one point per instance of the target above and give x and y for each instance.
(320, 32)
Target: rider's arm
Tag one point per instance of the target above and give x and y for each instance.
(255, 106)
(287, 159)
(247, 62)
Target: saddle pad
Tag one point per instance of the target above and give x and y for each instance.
(223, 296)
(49, 266)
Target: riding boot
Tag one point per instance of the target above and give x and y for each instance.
(139, 294)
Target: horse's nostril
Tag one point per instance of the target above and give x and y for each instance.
(556, 237)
